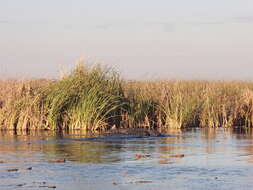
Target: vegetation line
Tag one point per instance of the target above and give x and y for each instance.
(96, 98)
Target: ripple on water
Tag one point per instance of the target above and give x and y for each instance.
(218, 159)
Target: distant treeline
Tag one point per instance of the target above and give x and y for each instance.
(96, 98)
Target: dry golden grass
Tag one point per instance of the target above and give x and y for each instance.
(96, 98)
(180, 104)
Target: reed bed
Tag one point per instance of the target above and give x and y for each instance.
(86, 98)
(96, 98)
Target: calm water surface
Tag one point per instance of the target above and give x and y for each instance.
(213, 159)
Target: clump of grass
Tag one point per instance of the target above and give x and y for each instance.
(19, 109)
(221, 104)
(181, 105)
(140, 109)
(245, 113)
(84, 99)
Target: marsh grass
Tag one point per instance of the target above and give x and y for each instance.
(178, 104)
(86, 98)
(96, 98)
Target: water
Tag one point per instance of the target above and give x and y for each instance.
(191, 159)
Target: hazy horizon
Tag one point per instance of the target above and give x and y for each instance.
(161, 39)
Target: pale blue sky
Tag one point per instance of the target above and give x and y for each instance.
(141, 38)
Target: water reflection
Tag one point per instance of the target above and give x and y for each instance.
(245, 137)
(73, 146)
(173, 161)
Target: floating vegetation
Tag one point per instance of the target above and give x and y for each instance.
(96, 98)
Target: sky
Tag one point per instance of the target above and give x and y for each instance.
(142, 39)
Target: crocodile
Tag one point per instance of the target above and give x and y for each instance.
(137, 132)
(115, 134)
